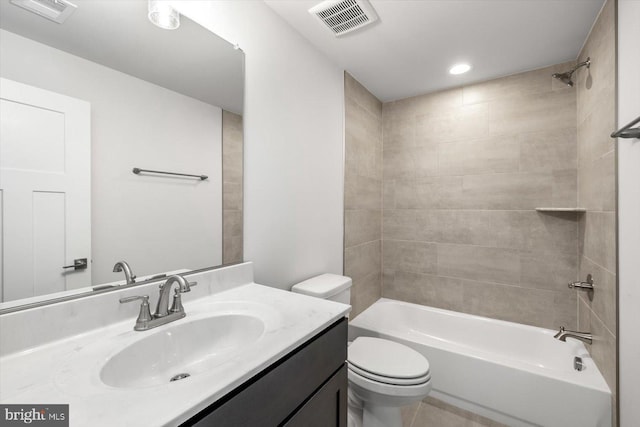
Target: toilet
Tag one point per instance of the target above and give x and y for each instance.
(383, 375)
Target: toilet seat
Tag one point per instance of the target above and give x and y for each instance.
(387, 362)
(385, 394)
(388, 380)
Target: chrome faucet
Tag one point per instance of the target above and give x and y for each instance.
(162, 309)
(163, 314)
(562, 335)
(128, 274)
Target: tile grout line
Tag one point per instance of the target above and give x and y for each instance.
(594, 314)
(415, 414)
(520, 250)
(598, 265)
(487, 282)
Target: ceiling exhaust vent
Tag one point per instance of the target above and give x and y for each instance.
(344, 16)
(54, 10)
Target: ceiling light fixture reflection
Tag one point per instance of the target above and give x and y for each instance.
(163, 15)
(459, 69)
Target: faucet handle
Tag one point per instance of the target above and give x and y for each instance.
(177, 307)
(144, 298)
(187, 288)
(145, 313)
(587, 285)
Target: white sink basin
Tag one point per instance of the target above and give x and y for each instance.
(181, 351)
(116, 376)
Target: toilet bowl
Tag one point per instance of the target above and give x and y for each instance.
(383, 375)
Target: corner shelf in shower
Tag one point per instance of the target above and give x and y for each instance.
(551, 210)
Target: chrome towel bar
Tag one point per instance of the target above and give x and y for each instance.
(627, 131)
(137, 171)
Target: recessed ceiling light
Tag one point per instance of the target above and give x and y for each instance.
(459, 69)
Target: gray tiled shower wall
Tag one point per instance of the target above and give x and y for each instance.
(440, 198)
(441, 191)
(464, 170)
(363, 194)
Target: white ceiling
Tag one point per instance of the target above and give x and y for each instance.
(410, 50)
(116, 33)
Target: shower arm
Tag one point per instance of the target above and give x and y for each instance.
(586, 63)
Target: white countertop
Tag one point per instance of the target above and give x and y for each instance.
(67, 371)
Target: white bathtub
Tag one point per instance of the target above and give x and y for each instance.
(516, 374)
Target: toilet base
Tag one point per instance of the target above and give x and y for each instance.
(381, 416)
(362, 415)
(354, 410)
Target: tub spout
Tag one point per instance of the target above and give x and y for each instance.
(562, 335)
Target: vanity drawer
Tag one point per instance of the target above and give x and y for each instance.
(273, 397)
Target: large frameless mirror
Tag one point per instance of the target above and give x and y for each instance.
(120, 141)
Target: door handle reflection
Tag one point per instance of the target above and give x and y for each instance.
(78, 264)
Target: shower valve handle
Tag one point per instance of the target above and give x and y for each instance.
(584, 286)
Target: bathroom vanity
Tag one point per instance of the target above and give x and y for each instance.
(307, 387)
(245, 354)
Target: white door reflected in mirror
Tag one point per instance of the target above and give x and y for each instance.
(45, 180)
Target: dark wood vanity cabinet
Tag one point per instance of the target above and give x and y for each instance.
(306, 388)
(327, 407)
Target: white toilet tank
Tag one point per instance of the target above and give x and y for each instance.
(326, 286)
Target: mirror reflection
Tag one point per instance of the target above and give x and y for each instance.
(83, 104)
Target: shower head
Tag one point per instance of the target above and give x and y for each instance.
(566, 76)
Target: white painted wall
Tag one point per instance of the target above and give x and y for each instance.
(155, 224)
(629, 214)
(293, 140)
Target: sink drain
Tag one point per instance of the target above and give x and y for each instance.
(179, 377)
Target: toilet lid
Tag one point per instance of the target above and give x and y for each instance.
(377, 358)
